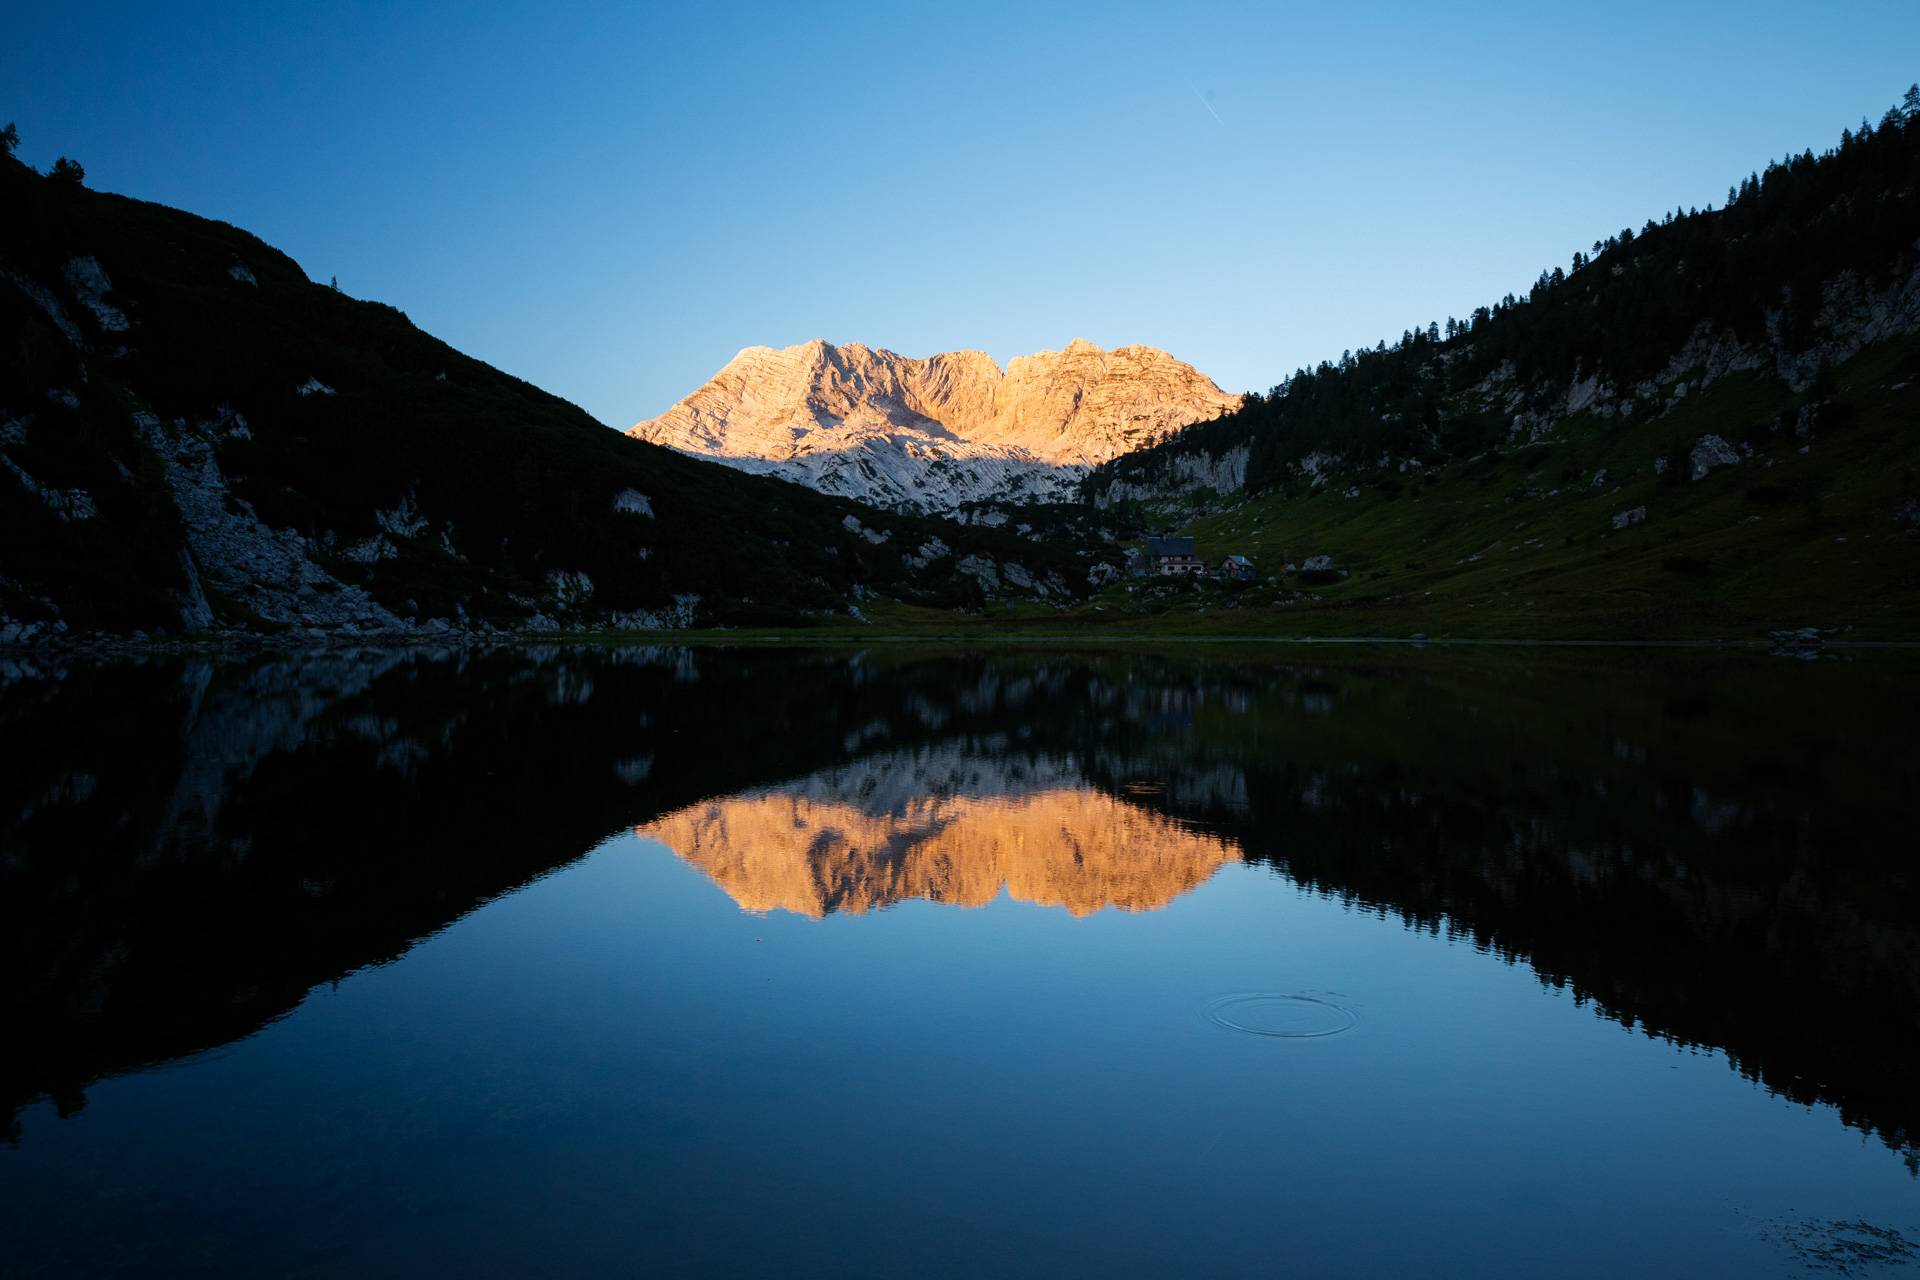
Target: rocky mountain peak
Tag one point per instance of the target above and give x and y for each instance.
(931, 434)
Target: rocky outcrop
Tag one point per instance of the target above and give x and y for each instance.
(198, 440)
(67, 505)
(929, 435)
(1630, 517)
(90, 285)
(1224, 472)
(1711, 452)
(270, 571)
(1853, 313)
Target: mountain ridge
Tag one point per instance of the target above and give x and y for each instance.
(932, 434)
(195, 437)
(1808, 263)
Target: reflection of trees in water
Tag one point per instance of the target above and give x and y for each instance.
(1710, 848)
(1807, 989)
(193, 845)
(1720, 863)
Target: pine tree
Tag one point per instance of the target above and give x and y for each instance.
(9, 139)
(67, 172)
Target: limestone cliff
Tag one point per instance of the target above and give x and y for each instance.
(929, 435)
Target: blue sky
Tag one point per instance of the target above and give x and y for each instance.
(610, 200)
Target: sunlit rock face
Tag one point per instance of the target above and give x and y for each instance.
(942, 827)
(930, 435)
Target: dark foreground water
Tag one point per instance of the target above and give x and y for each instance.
(692, 961)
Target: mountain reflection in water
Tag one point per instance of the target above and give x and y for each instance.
(1713, 849)
(945, 826)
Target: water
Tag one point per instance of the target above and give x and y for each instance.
(705, 961)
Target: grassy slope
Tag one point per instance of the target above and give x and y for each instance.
(525, 481)
(1784, 539)
(1780, 540)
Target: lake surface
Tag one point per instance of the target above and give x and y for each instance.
(683, 961)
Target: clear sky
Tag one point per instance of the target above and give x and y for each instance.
(610, 200)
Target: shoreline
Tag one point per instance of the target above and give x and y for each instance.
(87, 647)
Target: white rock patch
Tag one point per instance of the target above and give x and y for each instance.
(930, 550)
(1711, 452)
(982, 571)
(68, 504)
(852, 525)
(674, 617)
(90, 284)
(404, 521)
(570, 587)
(370, 550)
(268, 570)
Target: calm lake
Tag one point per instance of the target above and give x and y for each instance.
(704, 961)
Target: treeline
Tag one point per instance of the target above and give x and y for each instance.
(1621, 309)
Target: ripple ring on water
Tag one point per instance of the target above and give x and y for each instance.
(1285, 1017)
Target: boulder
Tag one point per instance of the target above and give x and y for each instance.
(1320, 569)
(983, 571)
(1710, 452)
(633, 502)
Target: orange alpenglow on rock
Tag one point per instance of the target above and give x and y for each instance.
(1069, 847)
(929, 435)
